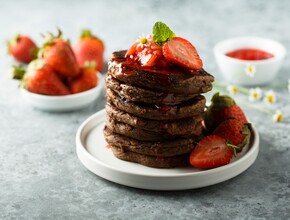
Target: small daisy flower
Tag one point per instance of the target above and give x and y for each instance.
(142, 40)
(250, 70)
(255, 94)
(278, 117)
(270, 97)
(232, 89)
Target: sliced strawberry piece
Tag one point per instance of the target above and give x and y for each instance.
(181, 52)
(211, 152)
(132, 50)
(147, 59)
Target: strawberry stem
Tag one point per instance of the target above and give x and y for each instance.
(18, 72)
(234, 147)
(86, 33)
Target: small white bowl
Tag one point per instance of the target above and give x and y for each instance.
(234, 70)
(64, 103)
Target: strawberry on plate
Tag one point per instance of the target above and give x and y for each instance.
(58, 54)
(235, 132)
(89, 49)
(222, 107)
(22, 48)
(181, 52)
(86, 80)
(211, 152)
(42, 79)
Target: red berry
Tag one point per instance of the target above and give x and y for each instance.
(235, 132)
(181, 52)
(147, 54)
(221, 108)
(211, 152)
(86, 80)
(132, 50)
(58, 54)
(43, 80)
(89, 49)
(22, 48)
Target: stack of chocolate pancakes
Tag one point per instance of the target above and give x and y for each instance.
(154, 116)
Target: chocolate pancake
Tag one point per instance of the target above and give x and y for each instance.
(152, 161)
(154, 148)
(173, 80)
(184, 126)
(146, 135)
(139, 95)
(190, 108)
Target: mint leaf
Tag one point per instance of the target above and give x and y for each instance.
(161, 33)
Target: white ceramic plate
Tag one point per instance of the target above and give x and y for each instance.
(66, 102)
(96, 157)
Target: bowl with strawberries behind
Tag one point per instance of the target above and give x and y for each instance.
(55, 81)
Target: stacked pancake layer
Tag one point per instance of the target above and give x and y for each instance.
(154, 116)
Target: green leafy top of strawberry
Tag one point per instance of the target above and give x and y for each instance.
(162, 33)
(49, 38)
(12, 41)
(90, 65)
(18, 71)
(221, 101)
(86, 33)
(35, 65)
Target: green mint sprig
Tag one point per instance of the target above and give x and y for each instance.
(162, 33)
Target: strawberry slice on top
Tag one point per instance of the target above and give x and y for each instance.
(181, 52)
(163, 49)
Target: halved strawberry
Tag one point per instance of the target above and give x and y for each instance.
(211, 152)
(181, 52)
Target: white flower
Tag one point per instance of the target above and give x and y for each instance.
(142, 40)
(270, 97)
(250, 70)
(232, 89)
(255, 94)
(289, 85)
(278, 117)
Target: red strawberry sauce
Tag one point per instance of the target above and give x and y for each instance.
(249, 54)
(108, 146)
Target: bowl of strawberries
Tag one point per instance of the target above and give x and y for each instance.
(60, 77)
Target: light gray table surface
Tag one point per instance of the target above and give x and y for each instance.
(40, 174)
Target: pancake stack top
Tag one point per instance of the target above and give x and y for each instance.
(154, 113)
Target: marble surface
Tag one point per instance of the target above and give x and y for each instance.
(40, 174)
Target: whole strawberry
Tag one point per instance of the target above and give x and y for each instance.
(22, 48)
(235, 132)
(221, 108)
(89, 49)
(58, 54)
(42, 79)
(86, 80)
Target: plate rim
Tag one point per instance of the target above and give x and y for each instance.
(80, 148)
